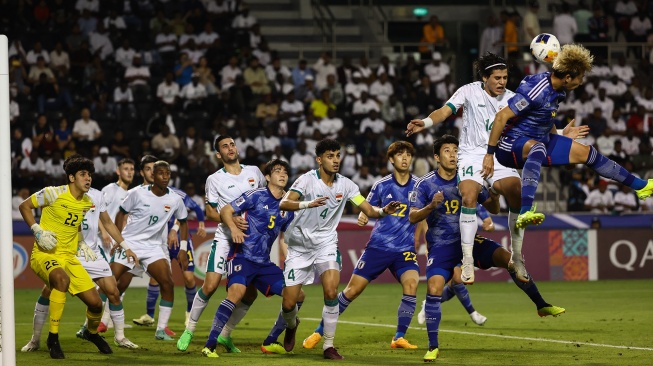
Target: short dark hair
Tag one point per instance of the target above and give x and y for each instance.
(398, 147)
(148, 159)
(126, 161)
(270, 165)
(446, 139)
(216, 142)
(71, 158)
(160, 164)
(326, 145)
(76, 164)
(489, 62)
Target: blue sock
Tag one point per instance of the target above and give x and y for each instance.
(531, 290)
(405, 314)
(221, 316)
(531, 175)
(343, 302)
(433, 316)
(463, 296)
(610, 169)
(279, 327)
(447, 293)
(152, 296)
(190, 296)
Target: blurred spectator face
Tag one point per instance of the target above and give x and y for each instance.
(331, 113)
(190, 189)
(302, 64)
(598, 114)
(383, 78)
(374, 114)
(602, 94)
(86, 114)
(169, 78)
(233, 61)
(253, 63)
(42, 121)
(364, 61)
(331, 80)
(190, 132)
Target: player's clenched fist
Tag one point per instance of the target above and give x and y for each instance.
(437, 199)
(46, 240)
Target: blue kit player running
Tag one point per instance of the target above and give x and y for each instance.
(173, 248)
(249, 263)
(530, 139)
(436, 198)
(391, 246)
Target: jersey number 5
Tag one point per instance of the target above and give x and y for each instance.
(271, 224)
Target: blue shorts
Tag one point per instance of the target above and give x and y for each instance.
(442, 263)
(374, 261)
(510, 151)
(267, 277)
(191, 256)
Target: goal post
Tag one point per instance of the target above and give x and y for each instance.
(7, 319)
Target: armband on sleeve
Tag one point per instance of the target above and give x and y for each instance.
(357, 200)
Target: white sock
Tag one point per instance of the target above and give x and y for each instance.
(516, 236)
(106, 315)
(40, 315)
(118, 317)
(238, 314)
(330, 317)
(199, 304)
(164, 315)
(290, 317)
(468, 228)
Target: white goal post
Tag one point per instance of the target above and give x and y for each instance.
(7, 320)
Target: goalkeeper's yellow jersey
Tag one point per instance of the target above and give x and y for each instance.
(62, 214)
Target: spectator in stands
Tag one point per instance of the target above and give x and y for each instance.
(267, 111)
(115, 24)
(437, 70)
(392, 111)
(262, 53)
(79, 60)
(335, 91)
(386, 67)
(168, 91)
(267, 142)
(166, 44)
(623, 71)
(564, 25)
(577, 193)
(445, 89)
(615, 87)
(604, 103)
(209, 40)
(86, 131)
(646, 101)
(345, 71)
(624, 10)
(18, 76)
(373, 122)
(241, 97)
(21, 146)
(193, 95)
(433, 37)
(491, 37)
(636, 121)
(34, 54)
(63, 134)
(241, 25)
(243, 141)
(351, 161)
(138, 77)
(625, 200)
(605, 142)
(119, 147)
(60, 60)
(301, 160)
(21, 195)
(600, 200)
(291, 111)
(191, 145)
(206, 76)
(16, 49)
(582, 14)
(364, 180)
(598, 27)
(41, 68)
(596, 122)
(363, 106)
(365, 70)
(75, 38)
(381, 89)
(49, 97)
(425, 98)
(194, 53)
(158, 23)
(188, 35)
(323, 68)
(307, 93)
(331, 125)
(32, 170)
(255, 36)
(123, 100)
(510, 34)
(617, 124)
(320, 107)
(92, 6)
(299, 73)
(618, 154)
(97, 92)
(39, 129)
(14, 110)
(306, 129)
(100, 43)
(166, 145)
(640, 27)
(105, 167)
(531, 23)
(255, 77)
(276, 68)
(229, 73)
(183, 69)
(355, 88)
(631, 142)
(125, 54)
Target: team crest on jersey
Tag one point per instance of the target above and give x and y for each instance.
(412, 196)
(240, 201)
(521, 104)
(92, 208)
(167, 208)
(237, 268)
(282, 214)
(252, 182)
(339, 197)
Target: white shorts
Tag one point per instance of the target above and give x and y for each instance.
(98, 268)
(146, 256)
(301, 268)
(470, 166)
(217, 261)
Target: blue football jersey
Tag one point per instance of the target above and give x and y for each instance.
(393, 233)
(443, 222)
(265, 221)
(535, 105)
(190, 205)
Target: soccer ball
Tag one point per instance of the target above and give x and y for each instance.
(545, 47)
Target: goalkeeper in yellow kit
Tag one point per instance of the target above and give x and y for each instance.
(58, 239)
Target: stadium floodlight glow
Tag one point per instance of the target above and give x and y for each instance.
(420, 12)
(7, 325)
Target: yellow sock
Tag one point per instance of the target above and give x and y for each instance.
(57, 302)
(93, 320)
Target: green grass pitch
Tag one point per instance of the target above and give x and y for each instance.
(601, 318)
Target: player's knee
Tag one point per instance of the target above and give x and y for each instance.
(288, 304)
(59, 280)
(469, 199)
(45, 292)
(113, 295)
(301, 296)
(95, 306)
(410, 286)
(330, 294)
(352, 292)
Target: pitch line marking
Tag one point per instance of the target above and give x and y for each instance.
(497, 335)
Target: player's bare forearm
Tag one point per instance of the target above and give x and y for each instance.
(110, 227)
(25, 209)
(183, 229)
(498, 125)
(418, 214)
(227, 217)
(120, 220)
(420, 231)
(213, 214)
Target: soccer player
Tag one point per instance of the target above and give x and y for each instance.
(222, 188)
(249, 263)
(392, 246)
(58, 240)
(312, 239)
(531, 140)
(172, 246)
(149, 209)
(436, 198)
(480, 101)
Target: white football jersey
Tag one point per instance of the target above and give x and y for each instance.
(479, 109)
(90, 224)
(313, 227)
(113, 197)
(222, 188)
(149, 215)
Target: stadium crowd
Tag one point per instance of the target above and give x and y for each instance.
(121, 79)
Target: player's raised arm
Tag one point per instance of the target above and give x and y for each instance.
(437, 116)
(418, 214)
(498, 125)
(378, 212)
(291, 202)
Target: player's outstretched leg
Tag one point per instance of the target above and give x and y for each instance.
(530, 289)
(463, 296)
(222, 315)
(41, 310)
(530, 178)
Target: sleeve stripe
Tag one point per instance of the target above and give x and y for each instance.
(123, 210)
(294, 190)
(453, 108)
(537, 89)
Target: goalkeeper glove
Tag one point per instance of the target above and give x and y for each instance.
(46, 240)
(88, 253)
